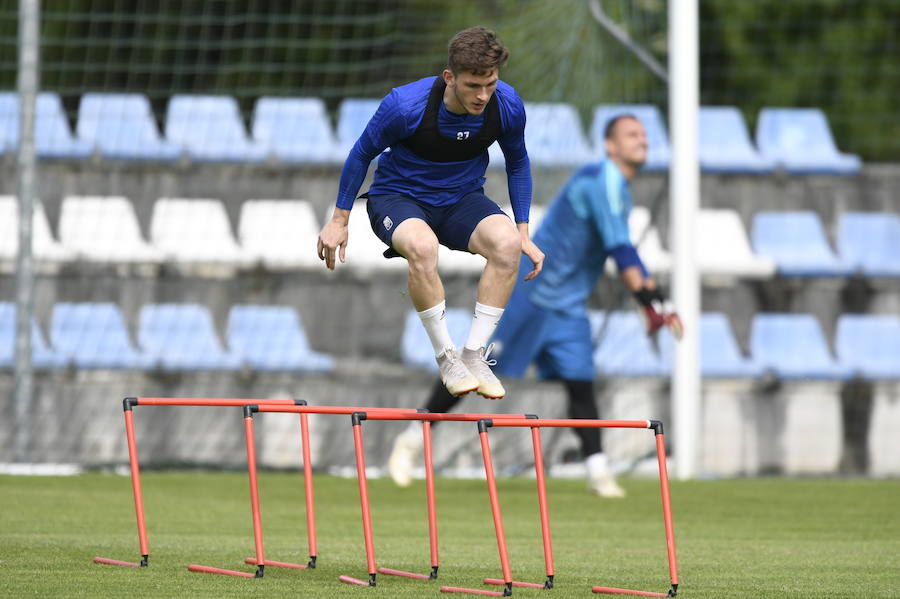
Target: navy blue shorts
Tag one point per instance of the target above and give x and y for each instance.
(453, 225)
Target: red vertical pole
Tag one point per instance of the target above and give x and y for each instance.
(364, 495)
(542, 500)
(136, 483)
(666, 505)
(429, 491)
(308, 483)
(254, 490)
(495, 502)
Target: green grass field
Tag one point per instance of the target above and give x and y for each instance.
(736, 538)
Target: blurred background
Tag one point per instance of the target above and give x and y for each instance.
(188, 153)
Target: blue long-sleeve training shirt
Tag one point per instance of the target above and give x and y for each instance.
(400, 171)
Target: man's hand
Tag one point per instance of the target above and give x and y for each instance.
(334, 235)
(658, 312)
(536, 256)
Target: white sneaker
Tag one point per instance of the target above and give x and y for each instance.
(406, 448)
(601, 480)
(478, 364)
(454, 373)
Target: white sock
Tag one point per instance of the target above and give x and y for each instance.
(483, 325)
(597, 464)
(436, 326)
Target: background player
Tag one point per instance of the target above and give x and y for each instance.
(546, 320)
(428, 189)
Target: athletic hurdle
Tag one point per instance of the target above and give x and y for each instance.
(128, 405)
(536, 425)
(393, 414)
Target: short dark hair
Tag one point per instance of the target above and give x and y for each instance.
(611, 124)
(476, 49)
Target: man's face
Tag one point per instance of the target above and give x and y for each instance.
(628, 143)
(471, 92)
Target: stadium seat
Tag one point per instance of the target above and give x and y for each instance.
(353, 116)
(45, 249)
(272, 338)
(93, 335)
(622, 348)
(799, 140)
(658, 155)
(365, 251)
(195, 231)
(724, 143)
(415, 347)
(295, 130)
(280, 233)
(869, 345)
(870, 242)
(645, 237)
(792, 346)
(52, 135)
(720, 356)
(122, 127)
(183, 337)
(211, 129)
(724, 248)
(554, 136)
(104, 229)
(796, 242)
(42, 356)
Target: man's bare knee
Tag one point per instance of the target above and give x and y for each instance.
(504, 249)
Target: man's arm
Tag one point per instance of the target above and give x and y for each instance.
(658, 312)
(385, 128)
(518, 176)
(533, 252)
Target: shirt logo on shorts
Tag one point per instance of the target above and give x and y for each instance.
(388, 223)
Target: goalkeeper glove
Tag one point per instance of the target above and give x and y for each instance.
(658, 312)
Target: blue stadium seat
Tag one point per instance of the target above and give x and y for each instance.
(800, 141)
(183, 337)
(724, 143)
(93, 335)
(211, 129)
(295, 130)
(122, 127)
(554, 136)
(720, 356)
(52, 135)
(353, 116)
(792, 346)
(797, 243)
(869, 345)
(658, 155)
(870, 241)
(622, 348)
(272, 338)
(42, 356)
(415, 347)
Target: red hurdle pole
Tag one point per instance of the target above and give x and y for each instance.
(545, 517)
(260, 559)
(308, 484)
(430, 499)
(657, 427)
(356, 420)
(254, 490)
(666, 505)
(136, 483)
(495, 506)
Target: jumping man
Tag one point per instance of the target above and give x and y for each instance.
(428, 189)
